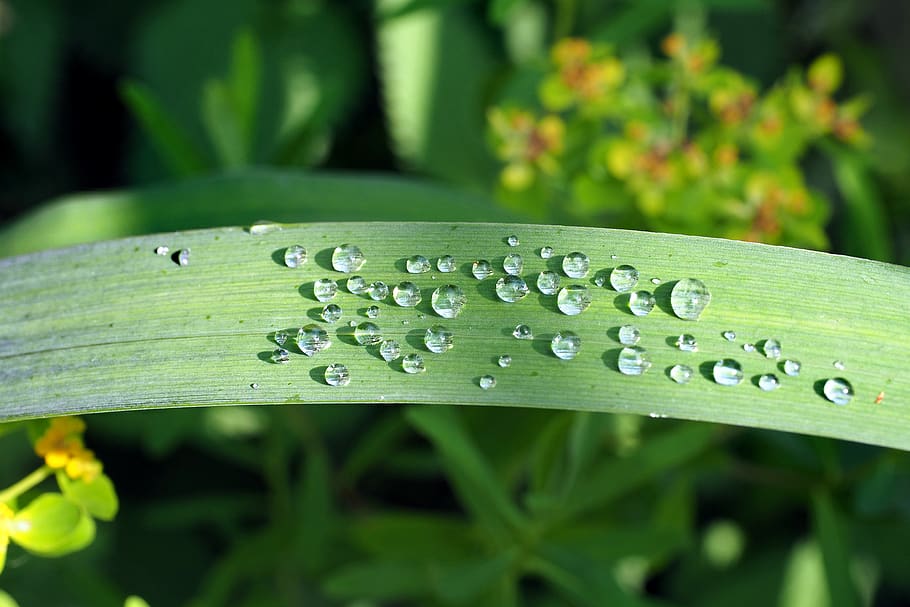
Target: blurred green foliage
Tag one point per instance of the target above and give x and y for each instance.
(439, 506)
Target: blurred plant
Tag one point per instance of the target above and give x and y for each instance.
(55, 524)
(682, 145)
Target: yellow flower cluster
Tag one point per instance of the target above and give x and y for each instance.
(62, 448)
(526, 144)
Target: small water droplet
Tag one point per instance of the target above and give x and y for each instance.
(623, 278)
(575, 265)
(601, 278)
(481, 269)
(405, 322)
(548, 282)
(281, 356)
(629, 335)
(504, 361)
(367, 334)
(421, 316)
(681, 374)
(183, 257)
(325, 289)
(448, 301)
(792, 367)
(352, 323)
(313, 339)
(413, 363)
(747, 347)
(573, 299)
(513, 264)
(264, 227)
(254, 386)
(162, 250)
(446, 264)
(281, 337)
(728, 372)
(614, 256)
(438, 339)
(407, 294)
(641, 303)
(331, 313)
(487, 381)
(655, 281)
(633, 360)
(511, 289)
(372, 311)
(347, 258)
(356, 285)
(838, 390)
(771, 348)
(390, 350)
(546, 252)
(729, 335)
(687, 343)
(839, 365)
(768, 382)
(565, 345)
(522, 332)
(689, 298)
(378, 290)
(417, 264)
(295, 256)
(513, 241)
(337, 375)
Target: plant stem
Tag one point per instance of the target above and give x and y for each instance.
(17, 489)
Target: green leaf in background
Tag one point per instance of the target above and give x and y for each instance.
(417, 536)
(864, 232)
(52, 525)
(135, 601)
(835, 551)
(98, 497)
(379, 581)
(222, 122)
(804, 581)
(5, 599)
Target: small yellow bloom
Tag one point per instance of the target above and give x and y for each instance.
(62, 449)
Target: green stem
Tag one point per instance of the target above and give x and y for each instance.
(564, 19)
(14, 491)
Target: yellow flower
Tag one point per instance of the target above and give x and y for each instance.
(62, 449)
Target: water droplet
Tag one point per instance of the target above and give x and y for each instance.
(629, 335)
(378, 290)
(633, 360)
(405, 322)
(655, 281)
(546, 252)
(417, 264)
(254, 386)
(407, 294)
(372, 311)
(613, 256)
(347, 258)
(504, 361)
(438, 339)
(281, 337)
(446, 264)
(522, 332)
(768, 382)
(448, 301)
(575, 265)
(481, 269)
(839, 365)
(565, 345)
(367, 334)
(513, 240)
(325, 289)
(728, 372)
(337, 375)
(162, 250)
(183, 257)
(771, 348)
(747, 347)
(729, 335)
(413, 363)
(356, 285)
(513, 264)
(511, 288)
(487, 382)
(623, 278)
(838, 390)
(548, 282)
(681, 374)
(687, 343)
(313, 339)
(792, 367)
(689, 298)
(331, 313)
(573, 299)
(390, 350)
(601, 278)
(281, 356)
(352, 323)
(641, 303)
(295, 256)
(264, 227)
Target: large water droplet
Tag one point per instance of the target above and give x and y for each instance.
(546, 252)
(629, 335)
(438, 339)
(641, 303)
(331, 313)
(446, 264)
(548, 282)
(573, 299)
(367, 334)
(313, 339)
(347, 258)
(183, 257)
(413, 363)
(681, 374)
(565, 345)
(378, 290)
(325, 289)
(448, 301)
(417, 264)
(511, 288)
(768, 382)
(687, 343)
(356, 285)
(373, 311)
(295, 256)
(504, 361)
(481, 269)
(337, 375)
(623, 278)
(281, 356)
(513, 264)
(729, 335)
(633, 360)
(389, 349)
(487, 381)
(575, 264)
(513, 241)
(771, 348)
(406, 294)
(838, 390)
(689, 298)
(792, 367)
(728, 372)
(522, 332)
(281, 337)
